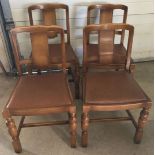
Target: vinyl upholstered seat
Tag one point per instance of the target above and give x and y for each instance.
(108, 88)
(40, 92)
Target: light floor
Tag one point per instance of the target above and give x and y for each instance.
(104, 138)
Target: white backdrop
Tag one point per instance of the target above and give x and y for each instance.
(3, 52)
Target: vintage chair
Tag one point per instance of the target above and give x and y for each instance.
(48, 11)
(106, 12)
(108, 89)
(42, 94)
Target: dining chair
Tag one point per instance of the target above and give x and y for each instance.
(106, 15)
(39, 94)
(108, 89)
(49, 17)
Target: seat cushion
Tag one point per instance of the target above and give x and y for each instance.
(113, 87)
(56, 55)
(119, 56)
(40, 91)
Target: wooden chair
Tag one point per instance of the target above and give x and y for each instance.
(106, 16)
(111, 90)
(48, 11)
(37, 94)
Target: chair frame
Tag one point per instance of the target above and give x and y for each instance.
(85, 120)
(53, 6)
(70, 109)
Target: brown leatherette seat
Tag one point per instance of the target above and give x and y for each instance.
(40, 92)
(112, 88)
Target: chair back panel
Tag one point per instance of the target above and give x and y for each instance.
(49, 17)
(106, 45)
(106, 40)
(106, 16)
(40, 51)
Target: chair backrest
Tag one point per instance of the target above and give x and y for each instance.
(40, 50)
(106, 43)
(49, 15)
(106, 15)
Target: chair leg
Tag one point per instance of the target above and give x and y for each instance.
(39, 72)
(84, 125)
(141, 123)
(69, 71)
(77, 80)
(132, 68)
(13, 133)
(73, 126)
(29, 69)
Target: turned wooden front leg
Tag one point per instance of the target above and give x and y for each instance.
(141, 123)
(84, 125)
(13, 133)
(73, 127)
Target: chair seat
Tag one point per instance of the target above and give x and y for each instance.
(119, 56)
(40, 91)
(56, 55)
(112, 87)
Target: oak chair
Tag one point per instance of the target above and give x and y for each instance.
(48, 11)
(108, 89)
(106, 15)
(42, 94)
